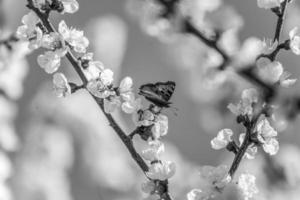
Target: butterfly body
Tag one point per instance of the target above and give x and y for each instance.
(158, 93)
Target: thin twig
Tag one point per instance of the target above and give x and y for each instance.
(272, 56)
(280, 20)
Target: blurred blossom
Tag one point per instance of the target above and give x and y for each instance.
(152, 20)
(70, 6)
(229, 42)
(223, 19)
(8, 137)
(50, 61)
(13, 69)
(6, 167)
(196, 10)
(247, 185)
(44, 162)
(248, 52)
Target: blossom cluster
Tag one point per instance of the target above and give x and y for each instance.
(58, 44)
(159, 171)
(259, 132)
(98, 80)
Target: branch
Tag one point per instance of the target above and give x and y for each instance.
(250, 129)
(272, 56)
(281, 16)
(76, 65)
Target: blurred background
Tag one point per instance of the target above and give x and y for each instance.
(66, 150)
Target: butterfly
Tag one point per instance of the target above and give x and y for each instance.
(158, 93)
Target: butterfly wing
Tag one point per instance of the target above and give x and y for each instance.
(165, 90)
(158, 93)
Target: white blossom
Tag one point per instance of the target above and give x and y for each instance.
(295, 41)
(29, 31)
(99, 80)
(126, 85)
(161, 170)
(107, 77)
(244, 107)
(222, 139)
(61, 85)
(53, 41)
(247, 185)
(268, 4)
(8, 137)
(132, 105)
(154, 151)
(160, 127)
(5, 167)
(285, 81)
(50, 61)
(97, 88)
(267, 136)
(143, 118)
(74, 37)
(215, 176)
(70, 6)
(111, 104)
(92, 72)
